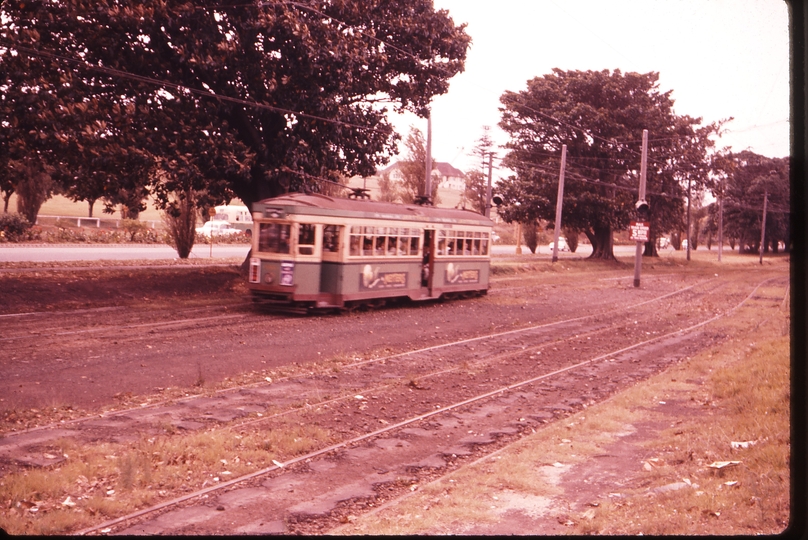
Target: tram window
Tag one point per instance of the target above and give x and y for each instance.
(379, 250)
(414, 240)
(459, 242)
(367, 245)
(356, 240)
(331, 234)
(274, 237)
(467, 248)
(442, 243)
(403, 245)
(484, 249)
(305, 239)
(476, 250)
(392, 243)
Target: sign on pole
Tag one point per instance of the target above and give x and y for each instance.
(639, 231)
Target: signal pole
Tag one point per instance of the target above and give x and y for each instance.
(641, 200)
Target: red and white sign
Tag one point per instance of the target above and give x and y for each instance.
(638, 231)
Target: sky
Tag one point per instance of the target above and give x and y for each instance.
(721, 59)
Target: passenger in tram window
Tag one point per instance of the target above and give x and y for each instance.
(355, 241)
(414, 245)
(442, 243)
(331, 238)
(367, 245)
(467, 250)
(403, 244)
(380, 245)
(392, 243)
(476, 246)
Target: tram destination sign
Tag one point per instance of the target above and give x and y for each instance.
(639, 231)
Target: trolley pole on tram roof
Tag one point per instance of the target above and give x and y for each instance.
(559, 201)
(641, 201)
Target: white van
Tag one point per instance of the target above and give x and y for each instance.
(238, 216)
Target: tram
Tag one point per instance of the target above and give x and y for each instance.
(315, 252)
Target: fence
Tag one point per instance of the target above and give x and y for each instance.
(107, 222)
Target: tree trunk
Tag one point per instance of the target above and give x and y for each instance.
(602, 247)
(572, 239)
(650, 248)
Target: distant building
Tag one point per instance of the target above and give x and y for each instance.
(451, 182)
(447, 176)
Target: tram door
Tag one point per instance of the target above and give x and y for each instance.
(428, 262)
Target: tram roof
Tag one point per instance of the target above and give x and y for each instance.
(317, 204)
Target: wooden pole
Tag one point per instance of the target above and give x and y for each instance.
(518, 238)
(721, 221)
(763, 227)
(559, 201)
(428, 164)
(488, 189)
(689, 182)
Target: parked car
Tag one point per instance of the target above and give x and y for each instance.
(562, 245)
(217, 227)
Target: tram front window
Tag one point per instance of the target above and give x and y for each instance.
(274, 237)
(305, 239)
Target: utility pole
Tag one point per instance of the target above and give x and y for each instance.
(640, 202)
(428, 164)
(763, 227)
(689, 182)
(488, 189)
(721, 220)
(518, 238)
(559, 201)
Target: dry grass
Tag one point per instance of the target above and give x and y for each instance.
(737, 393)
(106, 480)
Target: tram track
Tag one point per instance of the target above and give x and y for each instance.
(382, 360)
(418, 368)
(301, 520)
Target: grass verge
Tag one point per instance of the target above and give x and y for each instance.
(702, 448)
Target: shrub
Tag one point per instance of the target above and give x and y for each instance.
(133, 227)
(13, 227)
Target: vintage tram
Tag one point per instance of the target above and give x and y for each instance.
(312, 251)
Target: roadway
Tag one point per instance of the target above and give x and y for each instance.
(122, 252)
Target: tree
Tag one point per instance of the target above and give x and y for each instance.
(530, 230)
(413, 169)
(754, 176)
(388, 189)
(476, 192)
(292, 92)
(600, 116)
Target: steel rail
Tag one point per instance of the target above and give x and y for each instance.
(111, 414)
(278, 466)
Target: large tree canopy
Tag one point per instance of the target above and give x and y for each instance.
(751, 179)
(600, 116)
(224, 97)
